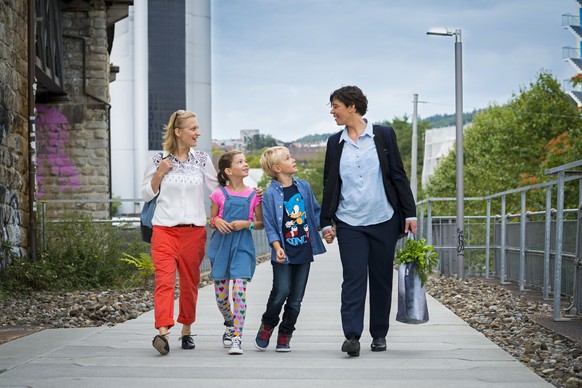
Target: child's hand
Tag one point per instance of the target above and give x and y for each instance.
(238, 225)
(281, 256)
(222, 226)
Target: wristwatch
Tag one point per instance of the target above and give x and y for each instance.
(251, 226)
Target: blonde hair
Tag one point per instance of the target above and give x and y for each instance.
(270, 157)
(177, 120)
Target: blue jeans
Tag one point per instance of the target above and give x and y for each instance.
(289, 282)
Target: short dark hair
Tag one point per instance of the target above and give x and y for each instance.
(351, 95)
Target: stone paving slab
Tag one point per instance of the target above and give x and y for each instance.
(445, 352)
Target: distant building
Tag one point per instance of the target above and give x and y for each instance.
(246, 134)
(572, 54)
(438, 142)
(156, 35)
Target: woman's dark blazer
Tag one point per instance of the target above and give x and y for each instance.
(396, 184)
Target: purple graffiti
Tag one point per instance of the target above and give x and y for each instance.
(52, 129)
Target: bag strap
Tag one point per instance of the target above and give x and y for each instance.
(163, 155)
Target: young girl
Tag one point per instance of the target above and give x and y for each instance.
(236, 211)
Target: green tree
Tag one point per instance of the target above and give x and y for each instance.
(403, 130)
(510, 146)
(312, 172)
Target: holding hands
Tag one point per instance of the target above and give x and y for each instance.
(329, 235)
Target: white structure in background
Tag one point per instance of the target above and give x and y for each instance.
(438, 143)
(130, 112)
(255, 176)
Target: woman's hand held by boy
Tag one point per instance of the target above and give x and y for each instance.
(328, 234)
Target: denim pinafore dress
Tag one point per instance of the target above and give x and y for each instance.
(232, 255)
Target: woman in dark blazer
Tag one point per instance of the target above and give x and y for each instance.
(368, 204)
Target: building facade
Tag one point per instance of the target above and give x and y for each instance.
(54, 111)
(572, 54)
(163, 51)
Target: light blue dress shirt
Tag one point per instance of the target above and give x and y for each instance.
(363, 200)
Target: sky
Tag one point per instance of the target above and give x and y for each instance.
(276, 62)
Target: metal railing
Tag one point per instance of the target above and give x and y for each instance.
(543, 253)
(570, 52)
(570, 20)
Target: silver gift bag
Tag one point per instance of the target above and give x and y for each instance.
(412, 306)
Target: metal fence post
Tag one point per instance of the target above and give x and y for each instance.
(420, 223)
(487, 237)
(503, 242)
(576, 307)
(522, 247)
(429, 223)
(547, 243)
(43, 225)
(558, 258)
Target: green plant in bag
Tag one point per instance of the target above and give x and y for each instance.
(420, 253)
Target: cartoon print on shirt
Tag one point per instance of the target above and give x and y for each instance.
(295, 209)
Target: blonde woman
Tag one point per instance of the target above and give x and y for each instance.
(179, 175)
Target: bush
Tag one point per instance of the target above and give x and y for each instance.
(145, 268)
(79, 255)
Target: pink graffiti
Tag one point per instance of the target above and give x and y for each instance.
(52, 134)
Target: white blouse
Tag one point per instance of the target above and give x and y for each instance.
(181, 199)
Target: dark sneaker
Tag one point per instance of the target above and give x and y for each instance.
(228, 336)
(160, 343)
(263, 337)
(283, 342)
(187, 342)
(352, 347)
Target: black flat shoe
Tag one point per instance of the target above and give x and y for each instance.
(351, 347)
(160, 343)
(378, 345)
(187, 342)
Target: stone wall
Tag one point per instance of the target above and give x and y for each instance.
(73, 150)
(13, 128)
(73, 136)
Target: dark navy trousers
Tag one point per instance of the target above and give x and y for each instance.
(367, 253)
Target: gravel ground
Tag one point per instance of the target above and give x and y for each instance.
(505, 317)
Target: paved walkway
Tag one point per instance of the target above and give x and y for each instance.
(445, 352)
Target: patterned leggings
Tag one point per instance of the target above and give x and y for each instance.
(237, 313)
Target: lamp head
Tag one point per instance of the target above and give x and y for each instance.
(441, 31)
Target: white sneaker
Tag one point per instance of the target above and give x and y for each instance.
(228, 336)
(236, 347)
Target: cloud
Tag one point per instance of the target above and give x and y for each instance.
(274, 63)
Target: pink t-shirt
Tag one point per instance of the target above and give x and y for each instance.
(218, 198)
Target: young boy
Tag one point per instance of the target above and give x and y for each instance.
(291, 220)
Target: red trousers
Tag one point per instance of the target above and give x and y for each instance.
(182, 249)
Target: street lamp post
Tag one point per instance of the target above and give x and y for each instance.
(459, 138)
